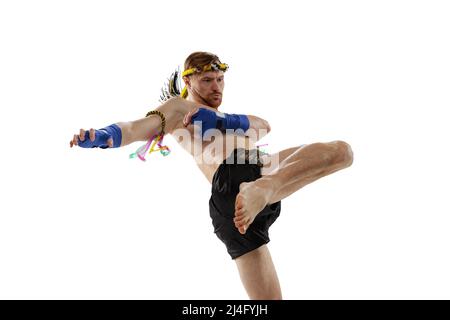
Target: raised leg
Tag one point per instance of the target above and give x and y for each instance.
(272, 161)
(308, 164)
(258, 275)
(301, 167)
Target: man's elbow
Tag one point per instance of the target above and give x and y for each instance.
(266, 126)
(263, 128)
(259, 127)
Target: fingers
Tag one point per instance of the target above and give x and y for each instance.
(92, 134)
(110, 142)
(80, 137)
(82, 132)
(74, 141)
(187, 119)
(188, 116)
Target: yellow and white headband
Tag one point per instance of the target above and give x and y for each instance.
(172, 87)
(209, 67)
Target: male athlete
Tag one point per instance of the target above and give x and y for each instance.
(247, 185)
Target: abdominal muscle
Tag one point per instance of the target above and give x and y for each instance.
(208, 155)
(212, 158)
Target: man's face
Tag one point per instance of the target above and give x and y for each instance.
(207, 87)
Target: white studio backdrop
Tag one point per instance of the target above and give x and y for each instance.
(93, 224)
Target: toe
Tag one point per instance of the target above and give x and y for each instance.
(239, 226)
(248, 222)
(239, 202)
(241, 223)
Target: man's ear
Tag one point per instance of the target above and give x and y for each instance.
(187, 81)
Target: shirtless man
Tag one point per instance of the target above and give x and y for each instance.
(247, 186)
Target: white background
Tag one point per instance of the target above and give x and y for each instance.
(92, 224)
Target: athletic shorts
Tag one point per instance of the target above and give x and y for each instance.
(241, 166)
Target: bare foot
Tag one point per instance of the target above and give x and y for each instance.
(251, 200)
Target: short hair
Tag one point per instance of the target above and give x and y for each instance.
(200, 59)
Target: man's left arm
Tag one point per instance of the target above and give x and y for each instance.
(252, 126)
(258, 127)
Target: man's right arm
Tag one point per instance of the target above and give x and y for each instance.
(143, 128)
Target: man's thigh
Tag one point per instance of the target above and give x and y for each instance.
(271, 161)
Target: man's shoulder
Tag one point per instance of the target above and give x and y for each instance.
(181, 105)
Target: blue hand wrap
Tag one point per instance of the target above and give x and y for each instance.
(101, 138)
(211, 120)
(235, 121)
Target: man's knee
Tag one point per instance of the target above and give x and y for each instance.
(343, 152)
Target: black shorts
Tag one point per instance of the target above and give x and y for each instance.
(241, 166)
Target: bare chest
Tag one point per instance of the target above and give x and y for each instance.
(209, 154)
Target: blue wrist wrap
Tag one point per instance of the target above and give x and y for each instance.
(101, 138)
(236, 121)
(210, 120)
